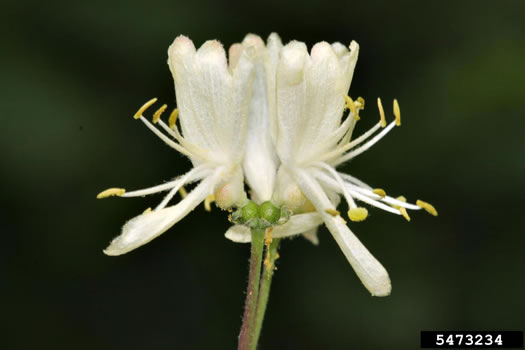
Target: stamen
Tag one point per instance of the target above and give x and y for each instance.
(355, 192)
(167, 198)
(111, 192)
(402, 210)
(146, 211)
(340, 181)
(357, 214)
(429, 208)
(350, 104)
(355, 181)
(370, 193)
(151, 190)
(193, 175)
(360, 103)
(144, 107)
(367, 145)
(183, 192)
(166, 139)
(157, 114)
(332, 212)
(173, 118)
(342, 149)
(366, 194)
(207, 202)
(380, 192)
(190, 148)
(397, 113)
(381, 112)
(366, 199)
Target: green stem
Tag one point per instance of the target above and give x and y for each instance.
(246, 337)
(264, 290)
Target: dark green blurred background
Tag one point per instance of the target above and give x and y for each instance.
(72, 75)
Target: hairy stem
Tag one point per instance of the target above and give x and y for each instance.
(247, 340)
(264, 289)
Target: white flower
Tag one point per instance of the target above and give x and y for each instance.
(312, 139)
(274, 115)
(261, 161)
(213, 106)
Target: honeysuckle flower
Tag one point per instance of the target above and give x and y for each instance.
(213, 105)
(312, 139)
(261, 161)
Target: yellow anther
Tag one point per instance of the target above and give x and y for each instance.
(144, 107)
(351, 106)
(111, 192)
(207, 202)
(357, 214)
(173, 118)
(146, 211)
(360, 102)
(397, 113)
(157, 114)
(403, 212)
(401, 199)
(381, 112)
(429, 208)
(332, 212)
(380, 192)
(183, 192)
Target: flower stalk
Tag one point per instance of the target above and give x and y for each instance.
(264, 290)
(260, 220)
(247, 339)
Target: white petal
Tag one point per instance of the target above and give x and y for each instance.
(271, 59)
(324, 99)
(296, 225)
(239, 234)
(290, 99)
(348, 62)
(212, 99)
(234, 53)
(260, 160)
(311, 236)
(235, 123)
(310, 99)
(143, 228)
(339, 49)
(213, 102)
(195, 121)
(370, 271)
